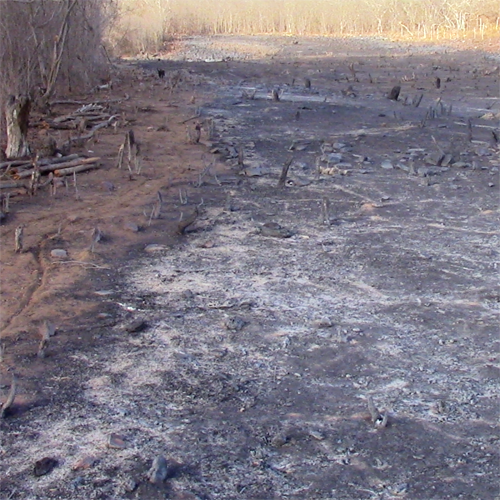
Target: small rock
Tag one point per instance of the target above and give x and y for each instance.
(280, 440)
(387, 165)
(130, 226)
(77, 482)
(109, 186)
(84, 463)
(130, 485)
(447, 160)
(45, 466)
(154, 247)
(185, 495)
(319, 436)
(210, 243)
(235, 323)
(333, 158)
(73, 218)
(136, 325)
(483, 152)
(323, 323)
(428, 171)
(158, 472)
(116, 442)
(58, 253)
(254, 170)
(399, 489)
(434, 158)
(275, 230)
(461, 164)
(187, 295)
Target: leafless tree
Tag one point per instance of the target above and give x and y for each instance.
(50, 46)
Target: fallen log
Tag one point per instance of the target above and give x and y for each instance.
(58, 166)
(82, 138)
(75, 170)
(83, 103)
(53, 161)
(11, 184)
(14, 163)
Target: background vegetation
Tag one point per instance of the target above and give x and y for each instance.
(63, 45)
(51, 45)
(146, 24)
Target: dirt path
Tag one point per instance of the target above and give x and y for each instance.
(246, 350)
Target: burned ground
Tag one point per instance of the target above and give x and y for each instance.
(246, 349)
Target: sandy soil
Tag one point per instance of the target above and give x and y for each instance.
(246, 350)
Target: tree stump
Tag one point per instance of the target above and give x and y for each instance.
(17, 112)
(394, 93)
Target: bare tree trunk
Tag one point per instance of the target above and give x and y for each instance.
(58, 51)
(17, 114)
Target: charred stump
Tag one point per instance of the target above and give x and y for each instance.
(394, 93)
(17, 114)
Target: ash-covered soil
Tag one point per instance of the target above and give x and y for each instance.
(330, 336)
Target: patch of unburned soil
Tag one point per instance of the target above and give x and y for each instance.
(246, 350)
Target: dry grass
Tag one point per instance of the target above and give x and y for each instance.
(147, 25)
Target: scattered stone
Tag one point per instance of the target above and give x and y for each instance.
(210, 243)
(387, 165)
(333, 158)
(275, 230)
(319, 436)
(323, 323)
(447, 160)
(130, 485)
(234, 323)
(84, 463)
(461, 164)
(483, 152)
(254, 171)
(77, 482)
(280, 440)
(185, 495)
(187, 295)
(435, 158)
(109, 186)
(136, 325)
(58, 253)
(342, 146)
(430, 171)
(154, 247)
(116, 442)
(399, 489)
(131, 226)
(45, 466)
(158, 472)
(73, 218)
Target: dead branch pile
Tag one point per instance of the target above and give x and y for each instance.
(86, 121)
(93, 116)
